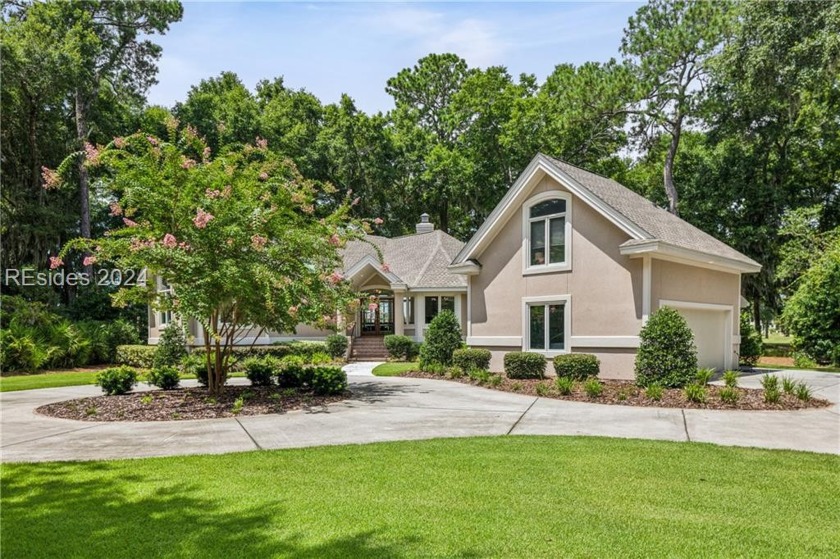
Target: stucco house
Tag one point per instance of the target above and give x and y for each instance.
(568, 261)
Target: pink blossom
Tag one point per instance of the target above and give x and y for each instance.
(373, 307)
(258, 242)
(229, 242)
(202, 218)
(55, 262)
(335, 240)
(152, 140)
(378, 221)
(184, 245)
(262, 143)
(335, 277)
(129, 223)
(212, 194)
(169, 241)
(386, 268)
(187, 163)
(119, 142)
(298, 198)
(293, 309)
(116, 209)
(91, 154)
(263, 176)
(308, 209)
(205, 154)
(356, 201)
(89, 260)
(226, 191)
(51, 178)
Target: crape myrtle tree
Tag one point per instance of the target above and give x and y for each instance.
(240, 237)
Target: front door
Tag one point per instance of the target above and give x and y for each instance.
(378, 317)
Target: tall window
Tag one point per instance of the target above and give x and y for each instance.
(547, 232)
(436, 304)
(547, 326)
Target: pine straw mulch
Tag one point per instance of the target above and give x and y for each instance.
(188, 403)
(626, 393)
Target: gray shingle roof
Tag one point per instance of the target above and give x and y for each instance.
(420, 261)
(658, 223)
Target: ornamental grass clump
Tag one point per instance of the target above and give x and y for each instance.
(695, 393)
(593, 388)
(564, 385)
(730, 378)
(667, 355)
(770, 384)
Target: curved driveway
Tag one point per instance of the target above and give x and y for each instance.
(389, 409)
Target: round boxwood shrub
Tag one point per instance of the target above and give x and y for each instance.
(523, 364)
(326, 381)
(577, 366)
(401, 347)
(471, 358)
(337, 345)
(165, 378)
(667, 355)
(261, 370)
(117, 380)
(171, 347)
(292, 373)
(751, 345)
(442, 339)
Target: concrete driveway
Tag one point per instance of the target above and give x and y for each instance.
(390, 409)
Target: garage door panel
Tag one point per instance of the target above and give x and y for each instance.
(709, 328)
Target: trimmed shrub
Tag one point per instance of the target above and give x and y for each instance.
(140, 356)
(165, 378)
(471, 358)
(522, 364)
(327, 381)
(401, 347)
(261, 370)
(442, 339)
(337, 345)
(752, 348)
(320, 359)
(292, 373)
(171, 347)
(196, 364)
(577, 366)
(667, 354)
(307, 349)
(117, 380)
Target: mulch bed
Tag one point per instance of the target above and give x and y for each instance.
(187, 403)
(626, 393)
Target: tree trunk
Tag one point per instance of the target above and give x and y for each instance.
(84, 180)
(668, 171)
(757, 313)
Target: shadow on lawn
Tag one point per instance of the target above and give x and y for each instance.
(93, 510)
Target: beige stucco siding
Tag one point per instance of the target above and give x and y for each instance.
(605, 287)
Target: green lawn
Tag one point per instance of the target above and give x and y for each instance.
(57, 379)
(479, 497)
(395, 368)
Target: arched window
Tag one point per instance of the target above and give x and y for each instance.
(547, 232)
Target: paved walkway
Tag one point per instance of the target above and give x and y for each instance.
(393, 408)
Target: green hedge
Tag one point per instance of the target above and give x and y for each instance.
(141, 356)
(577, 366)
(523, 364)
(471, 358)
(401, 347)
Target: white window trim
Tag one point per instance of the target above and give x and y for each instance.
(160, 314)
(566, 301)
(527, 268)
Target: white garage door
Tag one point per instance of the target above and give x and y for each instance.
(709, 327)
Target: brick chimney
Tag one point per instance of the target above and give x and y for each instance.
(424, 226)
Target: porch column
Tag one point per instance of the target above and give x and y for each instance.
(459, 312)
(399, 320)
(419, 317)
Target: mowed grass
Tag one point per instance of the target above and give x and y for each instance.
(477, 497)
(58, 379)
(395, 368)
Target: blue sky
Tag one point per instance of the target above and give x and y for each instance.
(354, 47)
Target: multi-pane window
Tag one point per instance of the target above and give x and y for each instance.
(164, 317)
(547, 232)
(436, 304)
(547, 326)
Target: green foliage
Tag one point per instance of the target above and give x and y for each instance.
(654, 392)
(730, 378)
(577, 366)
(704, 376)
(292, 372)
(803, 392)
(494, 380)
(401, 347)
(593, 387)
(307, 350)
(696, 393)
(813, 312)
(523, 364)
(788, 385)
(443, 337)
(564, 385)
(770, 384)
(196, 364)
(171, 346)
(337, 345)
(471, 358)
(165, 378)
(542, 389)
(117, 380)
(327, 381)
(481, 376)
(261, 370)
(729, 395)
(752, 348)
(320, 359)
(666, 355)
(140, 356)
(803, 360)
(433, 368)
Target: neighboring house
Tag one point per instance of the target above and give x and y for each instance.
(568, 261)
